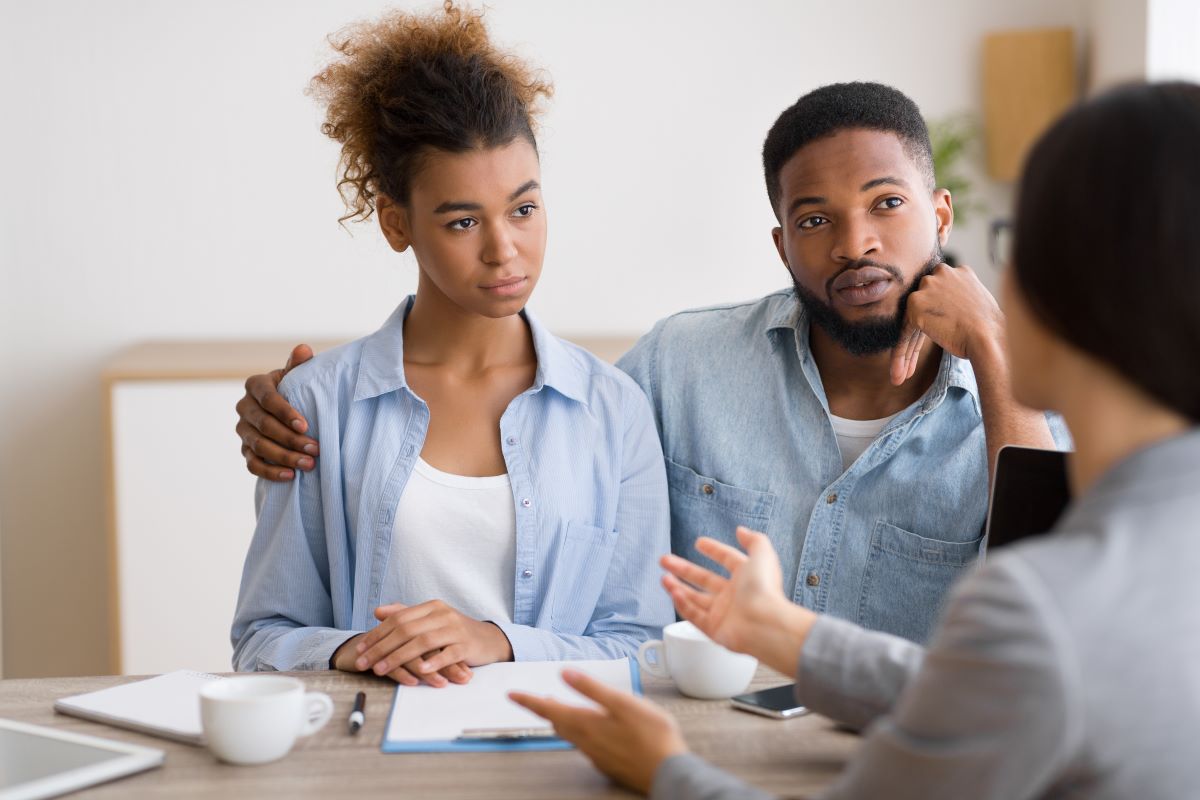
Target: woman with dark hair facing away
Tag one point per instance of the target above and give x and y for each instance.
(1068, 664)
(486, 491)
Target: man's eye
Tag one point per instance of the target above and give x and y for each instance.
(462, 224)
(890, 202)
(525, 210)
(811, 222)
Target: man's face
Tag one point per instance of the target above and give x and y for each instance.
(859, 229)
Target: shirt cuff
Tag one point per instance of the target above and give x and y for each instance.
(688, 777)
(528, 644)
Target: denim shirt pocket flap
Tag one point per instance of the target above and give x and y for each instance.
(906, 580)
(580, 572)
(747, 505)
(914, 547)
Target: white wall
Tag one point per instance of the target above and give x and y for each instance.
(164, 178)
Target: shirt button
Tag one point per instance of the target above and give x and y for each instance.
(526, 502)
(831, 499)
(528, 573)
(707, 488)
(512, 440)
(813, 580)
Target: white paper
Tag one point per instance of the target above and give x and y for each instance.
(426, 714)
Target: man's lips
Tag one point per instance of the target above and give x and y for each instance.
(860, 287)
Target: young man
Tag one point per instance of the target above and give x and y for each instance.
(851, 418)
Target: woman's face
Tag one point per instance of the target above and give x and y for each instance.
(1033, 352)
(476, 224)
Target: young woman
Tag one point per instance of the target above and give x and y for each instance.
(485, 491)
(1068, 665)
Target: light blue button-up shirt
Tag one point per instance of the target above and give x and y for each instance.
(745, 427)
(588, 485)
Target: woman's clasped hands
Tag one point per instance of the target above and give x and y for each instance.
(430, 642)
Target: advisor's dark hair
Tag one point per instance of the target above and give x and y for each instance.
(408, 84)
(1106, 249)
(843, 106)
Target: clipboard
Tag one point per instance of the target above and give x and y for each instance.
(428, 720)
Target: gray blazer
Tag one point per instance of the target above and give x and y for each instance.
(1066, 666)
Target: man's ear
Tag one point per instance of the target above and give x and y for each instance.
(393, 221)
(777, 237)
(943, 212)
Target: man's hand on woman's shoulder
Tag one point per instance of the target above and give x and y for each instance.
(271, 431)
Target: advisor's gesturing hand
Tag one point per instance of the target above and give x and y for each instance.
(433, 634)
(746, 612)
(627, 737)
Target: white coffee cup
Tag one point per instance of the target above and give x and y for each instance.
(699, 666)
(253, 719)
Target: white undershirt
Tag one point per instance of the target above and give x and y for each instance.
(855, 435)
(454, 539)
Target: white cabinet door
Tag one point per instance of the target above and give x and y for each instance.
(184, 518)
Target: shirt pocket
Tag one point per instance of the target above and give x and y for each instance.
(704, 506)
(906, 580)
(580, 573)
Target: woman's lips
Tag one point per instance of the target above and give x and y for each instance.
(506, 287)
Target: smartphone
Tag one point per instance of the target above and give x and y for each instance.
(777, 703)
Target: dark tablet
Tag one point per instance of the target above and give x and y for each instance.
(1029, 494)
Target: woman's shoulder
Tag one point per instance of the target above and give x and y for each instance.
(327, 373)
(597, 378)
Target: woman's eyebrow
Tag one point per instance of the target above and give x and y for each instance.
(463, 205)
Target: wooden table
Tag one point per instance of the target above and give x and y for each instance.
(791, 757)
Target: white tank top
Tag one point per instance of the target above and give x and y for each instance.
(855, 435)
(454, 539)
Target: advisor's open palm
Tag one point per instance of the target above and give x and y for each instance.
(727, 610)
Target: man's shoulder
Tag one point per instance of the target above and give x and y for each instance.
(749, 316)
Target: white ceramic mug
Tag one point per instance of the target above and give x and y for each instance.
(253, 719)
(699, 666)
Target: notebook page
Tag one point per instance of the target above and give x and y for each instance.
(424, 714)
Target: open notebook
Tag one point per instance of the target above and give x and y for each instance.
(429, 720)
(166, 706)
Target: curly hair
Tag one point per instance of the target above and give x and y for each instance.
(407, 84)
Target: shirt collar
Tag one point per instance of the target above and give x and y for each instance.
(953, 372)
(381, 364)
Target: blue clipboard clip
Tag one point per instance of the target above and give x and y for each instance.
(504, 734)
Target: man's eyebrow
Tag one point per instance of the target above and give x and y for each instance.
(887, 180)
(462, 205)
(804, 201)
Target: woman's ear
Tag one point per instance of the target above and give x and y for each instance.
(943, 212)
(393, 221)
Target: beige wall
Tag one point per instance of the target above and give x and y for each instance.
(166, 180)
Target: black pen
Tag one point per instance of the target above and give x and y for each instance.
(359, 715)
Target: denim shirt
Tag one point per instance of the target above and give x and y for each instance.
(745, 428)
(588, 485)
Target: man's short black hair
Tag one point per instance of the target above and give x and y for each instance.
(845, 106)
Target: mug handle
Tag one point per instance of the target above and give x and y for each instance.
(658, 667)
(318, 708)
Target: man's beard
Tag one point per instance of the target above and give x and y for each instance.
(869, 336)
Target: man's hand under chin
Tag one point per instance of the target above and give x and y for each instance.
(956, 312)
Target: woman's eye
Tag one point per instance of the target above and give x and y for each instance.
(462, 224)
(811, 222)
(525, 210)
(890, 202)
